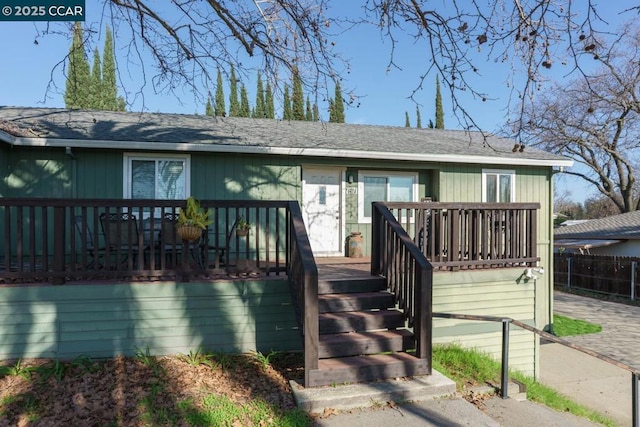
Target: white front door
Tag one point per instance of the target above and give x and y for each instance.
(322, 210)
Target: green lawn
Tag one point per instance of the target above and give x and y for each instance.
(566, 326)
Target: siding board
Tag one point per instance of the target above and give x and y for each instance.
(106, 320)
(488, 293)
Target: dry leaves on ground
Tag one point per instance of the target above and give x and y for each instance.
(129, 390)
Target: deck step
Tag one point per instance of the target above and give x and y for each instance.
(366, 368)
(338, 286)
(360, 343)
(332, 303)
(357, 321)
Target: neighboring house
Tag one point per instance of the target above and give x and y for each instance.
(333, 170)
(613, 235)
(570, 222)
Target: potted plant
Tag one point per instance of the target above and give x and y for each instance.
(192, 220)
(242, 227)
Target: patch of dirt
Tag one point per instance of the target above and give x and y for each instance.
(135, 391)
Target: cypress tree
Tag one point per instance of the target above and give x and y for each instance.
(95, 87)
(269, 107)
(297, 97)
(234, 105)
(316, 113)
(286, 105)
(78, 79)
(109, 90)
(245, 109)
(338, 104)
(407, 124)
(208, 110)
(219, 107)
(332, 111)
(259, 110)
(439, 109)
(308, 114)
(418, 119)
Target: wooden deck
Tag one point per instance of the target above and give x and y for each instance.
(333, 268)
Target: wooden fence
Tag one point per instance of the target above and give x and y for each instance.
(614, 275)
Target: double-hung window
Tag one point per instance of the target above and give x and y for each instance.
(498, 186)
(157, 176)
(384, 187)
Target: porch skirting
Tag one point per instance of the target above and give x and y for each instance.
(105, 320)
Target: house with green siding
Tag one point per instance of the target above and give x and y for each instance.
(333, 171)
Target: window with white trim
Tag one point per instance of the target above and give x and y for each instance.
(498, 186)
(156, 177)
(384, 187)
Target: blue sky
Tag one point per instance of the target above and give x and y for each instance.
(383, 94)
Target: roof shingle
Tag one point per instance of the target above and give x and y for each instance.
(80, 125)
(621, 227)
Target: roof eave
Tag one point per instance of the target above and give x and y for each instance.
(291, 151)
(7, 137)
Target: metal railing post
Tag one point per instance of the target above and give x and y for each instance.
(633, 280)
(635, 418)
(504, 381)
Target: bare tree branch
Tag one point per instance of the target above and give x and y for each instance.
(596, 122)
(456, 39)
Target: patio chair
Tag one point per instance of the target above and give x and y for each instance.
(169, 244)
(209, 245)
(85, 232)
(121, 235)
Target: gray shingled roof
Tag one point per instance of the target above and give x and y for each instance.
(621, 227)
(78, 126)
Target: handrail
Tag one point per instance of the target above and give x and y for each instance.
(635, 373)
(409, 275)
(303, 282)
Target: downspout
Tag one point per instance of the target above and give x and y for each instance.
(551, 266)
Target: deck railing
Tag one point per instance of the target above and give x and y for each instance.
(303, 280)
(58, 239)
(472, 235)
(409, 275)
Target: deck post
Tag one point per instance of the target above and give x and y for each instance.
(421, 312)
(376, 241)
(423, 319)
(311, 327)
(59, 234)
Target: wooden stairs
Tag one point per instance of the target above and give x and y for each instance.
(362, 335)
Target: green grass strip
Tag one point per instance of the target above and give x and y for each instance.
(220, 411)
(470, 367)
(566, 326)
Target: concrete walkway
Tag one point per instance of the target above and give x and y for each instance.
(455, 411)
(585, 379)
(591, 382)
